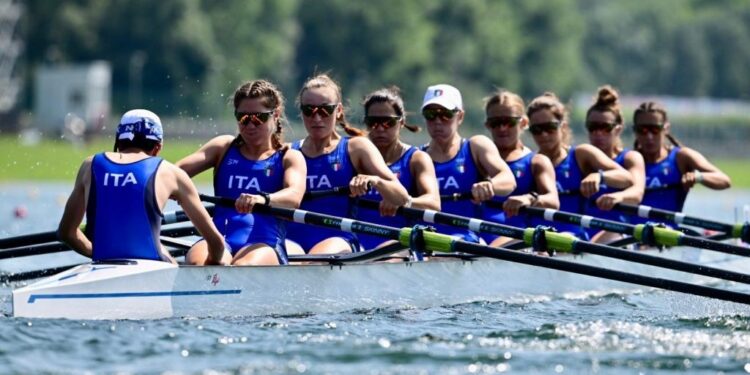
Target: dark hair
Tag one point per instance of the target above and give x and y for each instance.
(608, 100)
(323, 80)
(271, 97)
(654, 107)
(505, 98)
(139, 141)
(391, 96)
(550, 102)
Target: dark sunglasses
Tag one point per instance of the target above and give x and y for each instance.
(244, 118)
(324, 110)
(500, 121)
(593, 126)
(433, 113)
(386, 122)
(542, 127)
(644, 129)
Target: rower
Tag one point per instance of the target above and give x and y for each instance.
(385, 116)
(122, 194)
(534, 172)
(671, 169)
(604, 123)
(463, 166)
(254, 167)
(579, 170)
(332, 162)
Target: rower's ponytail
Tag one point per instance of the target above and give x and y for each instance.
(654, 107)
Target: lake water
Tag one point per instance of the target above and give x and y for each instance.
(628, 334)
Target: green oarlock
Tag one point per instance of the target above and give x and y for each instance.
(433, 241)
(663, 236)
(737, 230)
(562, 242)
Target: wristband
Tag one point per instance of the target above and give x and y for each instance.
(698, 176)
(267, 198)
(534, 197)
(601, 176)
(409, 201)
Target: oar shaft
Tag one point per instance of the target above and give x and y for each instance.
(584, 269)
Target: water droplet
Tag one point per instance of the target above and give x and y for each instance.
(385, 343)
(473, 368)
(559, 368)
(29, 324)
(184, 353)
(507, 355)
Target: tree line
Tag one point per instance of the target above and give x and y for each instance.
(194, 53)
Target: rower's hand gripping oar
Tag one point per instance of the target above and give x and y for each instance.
(543, 240)
(437, 242)
(741, 231)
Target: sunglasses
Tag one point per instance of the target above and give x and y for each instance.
(594, 126)
(257, 118)
(644, 129)
(433, 113)
(500, 121)
(543, 127)
(386, 122)
(324, 110)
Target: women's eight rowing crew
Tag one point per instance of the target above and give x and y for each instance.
(123, 192)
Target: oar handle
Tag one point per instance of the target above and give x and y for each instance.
(338, 190)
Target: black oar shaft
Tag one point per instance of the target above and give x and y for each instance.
(584, 269)
(673, 217)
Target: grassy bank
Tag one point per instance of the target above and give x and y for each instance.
(59, 160)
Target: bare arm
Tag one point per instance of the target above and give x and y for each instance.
(69, 229)
(206, 157)
(708, 174)
(544, 179)
(426, 182)
(500, 180)
(373, 171)
(591, 160)
(295, 174)
(187, 195)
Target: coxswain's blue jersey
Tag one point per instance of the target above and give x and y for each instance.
(593, 210)
(325, 172)
(663, 185)
(237, 174)
(401, 168)
(522, 171)
(123, 219)
(568, 178)
(456, 176)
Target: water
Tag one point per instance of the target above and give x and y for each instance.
(616, 333)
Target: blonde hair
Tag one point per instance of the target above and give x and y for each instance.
(323, 80)
(506, 98)
(550, 102)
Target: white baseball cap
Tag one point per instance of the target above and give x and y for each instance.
(444, 95)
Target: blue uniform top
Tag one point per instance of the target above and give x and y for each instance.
(663, 185)
(123, 217)
(568, 178)
(401, 168)
(325, 172)
(593, 210)
(457, 176)
(522, 171)
(237, 174)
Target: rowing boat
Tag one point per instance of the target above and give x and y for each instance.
(142, 289)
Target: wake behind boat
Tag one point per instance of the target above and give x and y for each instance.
(142, 289)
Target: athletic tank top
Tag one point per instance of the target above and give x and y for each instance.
(456, 176)
(325, 172)
(401, 168)
(568, 178)
(524, 176)
(123, 217)
(593, 210)
(663, 185)
(237, 174)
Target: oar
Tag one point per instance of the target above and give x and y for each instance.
(741, 231)
(438, 242)
(644, 233)
(563, 242)
(179, 251)
(51, 236)
(338, 190)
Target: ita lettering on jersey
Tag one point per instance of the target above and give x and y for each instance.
(448, 183)
(318, 182)
(119, 179)
(243, 182)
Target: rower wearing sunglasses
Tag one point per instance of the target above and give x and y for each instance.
(534, 173)
(463, 166)
(671, 170)
(604, 123)
(254, 167)
(579, 170)
(385, 116)
(335, 162)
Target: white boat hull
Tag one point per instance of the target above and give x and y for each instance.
(150, 290)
